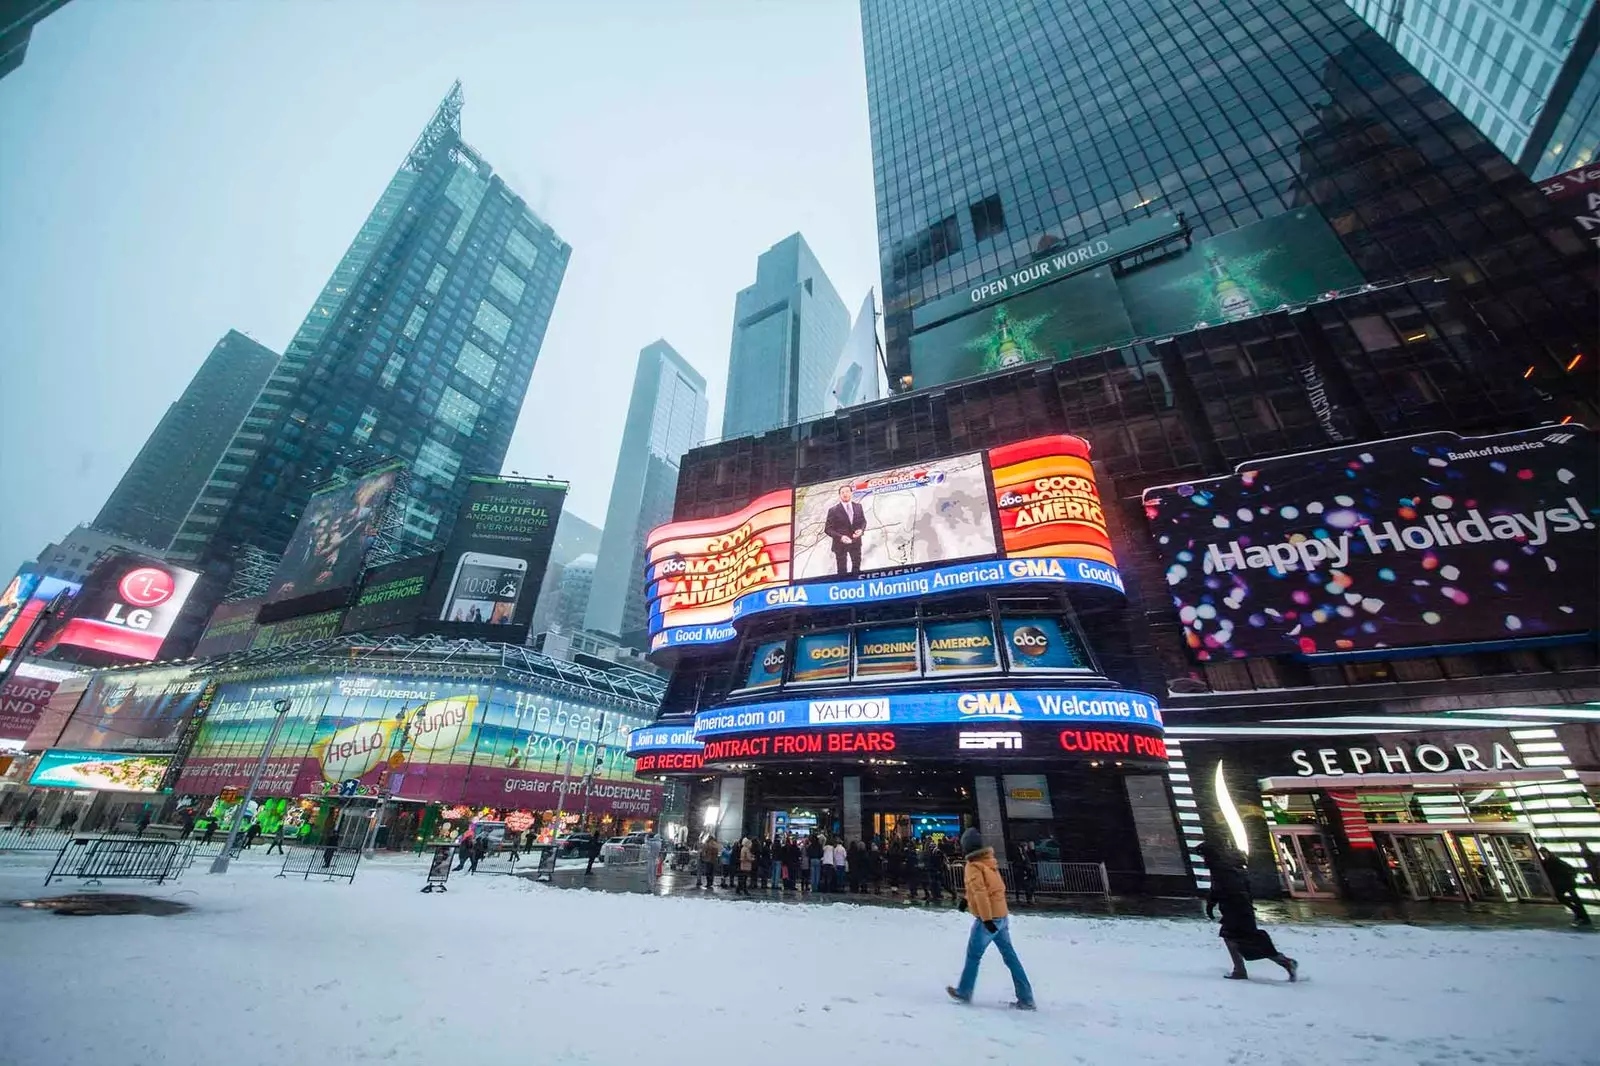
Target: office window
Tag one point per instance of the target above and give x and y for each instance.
(508, 284)
(492, 321)
(458, 412)
(476, 364)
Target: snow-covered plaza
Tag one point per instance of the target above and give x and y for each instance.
(499, 970)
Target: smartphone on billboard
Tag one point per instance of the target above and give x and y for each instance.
(485, 589)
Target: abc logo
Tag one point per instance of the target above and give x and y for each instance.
(675, 565)
(1030, 641)
(772, 663)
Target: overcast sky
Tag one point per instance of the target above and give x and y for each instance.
(170, 170)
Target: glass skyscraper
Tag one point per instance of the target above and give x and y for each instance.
(1003, 135)
(154, 496)
(420, 347)
(788, 330)
(1516, 70)
(666, 417)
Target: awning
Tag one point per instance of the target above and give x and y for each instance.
(1390, 782)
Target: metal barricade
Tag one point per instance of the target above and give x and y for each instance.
(97, 859)
(330, 861)
(1050, 878)
(17, 839)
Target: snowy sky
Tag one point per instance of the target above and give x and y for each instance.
(174, 169)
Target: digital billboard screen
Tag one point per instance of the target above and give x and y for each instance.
(392, 597)
(696, 569)
(133, 710)
(126, 607)
(1428, 540)
(45, 590)
(112, 771)
(330, 544)
(1047, 312)
(894, 534)
(917, 515)
(488, 578)
(231, 628)
(1576, 193)
(14, 597)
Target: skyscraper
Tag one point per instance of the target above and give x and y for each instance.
(17, 20)
(420, 347)
(1008, 142)
(788, 330)
(154, 496)
(1517, 71)
(666, 417)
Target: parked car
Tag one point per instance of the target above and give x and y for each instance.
(574, 844)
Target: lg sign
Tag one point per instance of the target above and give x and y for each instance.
(140, 589)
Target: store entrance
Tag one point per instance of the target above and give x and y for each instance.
(1305, 863)
(1464, 864)
(1421, 866)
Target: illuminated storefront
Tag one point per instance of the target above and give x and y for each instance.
(429, 734)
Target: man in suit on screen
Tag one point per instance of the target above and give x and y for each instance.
(846, 522)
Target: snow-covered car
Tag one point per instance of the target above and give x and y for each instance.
(612, 848)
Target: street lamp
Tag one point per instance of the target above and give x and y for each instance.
(280, 706)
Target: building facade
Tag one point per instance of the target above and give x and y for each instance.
(574, 538)
(1514, 70)
(572, 593)
(992, 158)
(75, 555)
(154, 496)
(419, 347)
(788, 331)
(16, 29)
(666, 416)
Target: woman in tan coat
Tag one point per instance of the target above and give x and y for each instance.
(986, 899)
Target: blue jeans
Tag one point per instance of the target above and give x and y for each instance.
(816, 874)
(777, 872)
(977, 944)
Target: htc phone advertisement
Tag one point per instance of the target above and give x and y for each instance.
(490, 574)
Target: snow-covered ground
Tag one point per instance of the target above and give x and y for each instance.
(266, 971)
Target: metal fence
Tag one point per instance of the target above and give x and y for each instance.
(330, 861)
(1050, 878)
(96, 859)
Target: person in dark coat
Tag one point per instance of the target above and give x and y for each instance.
(938, 873)
(251, 834)
(1230, 892)
(594, 853)
(912, 865)
(791, 864)
(464, 848)
(480, 848)
(1564, 880)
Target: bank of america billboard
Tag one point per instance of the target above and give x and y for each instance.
(1022, 513)
(1424, 541)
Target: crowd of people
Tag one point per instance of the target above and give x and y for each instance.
(822, 863)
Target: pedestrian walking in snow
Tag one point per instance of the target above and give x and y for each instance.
(30, 821)
(814, 861)
(480, 848)
(251, 834)
(791, 864)
(709, 851)
(144, 822)
(1230, 892)
(464, 849)
(986, 900)
(594, 853)
(1564, 880)
(277, 839)
(211, 830)
(938, 873)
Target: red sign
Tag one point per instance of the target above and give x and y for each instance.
(794, 743)
(146, 587)
(22, 700)
(1105, 742)
(1047, 499)
(663, 762)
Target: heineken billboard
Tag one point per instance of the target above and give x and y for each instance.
(1096, 301)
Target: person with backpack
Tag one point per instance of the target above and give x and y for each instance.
(986, 900)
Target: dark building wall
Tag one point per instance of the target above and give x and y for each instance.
(151, 500)
(1001, 132)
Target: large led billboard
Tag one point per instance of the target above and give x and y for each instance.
(133, 710)
(35, 594)
(918, 515)
(232, 627)
(111, 771)
(695, 570)
(14, 597)
(907, 532)
(417, 738)
(392, 597)
(1430, 540)
(330, 545)
(126, 607)
(489, 576)
(1057, 309)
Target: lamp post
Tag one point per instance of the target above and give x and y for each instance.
(280, 706)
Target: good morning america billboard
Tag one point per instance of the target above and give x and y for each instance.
(1422, 541)
(1026, 512)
